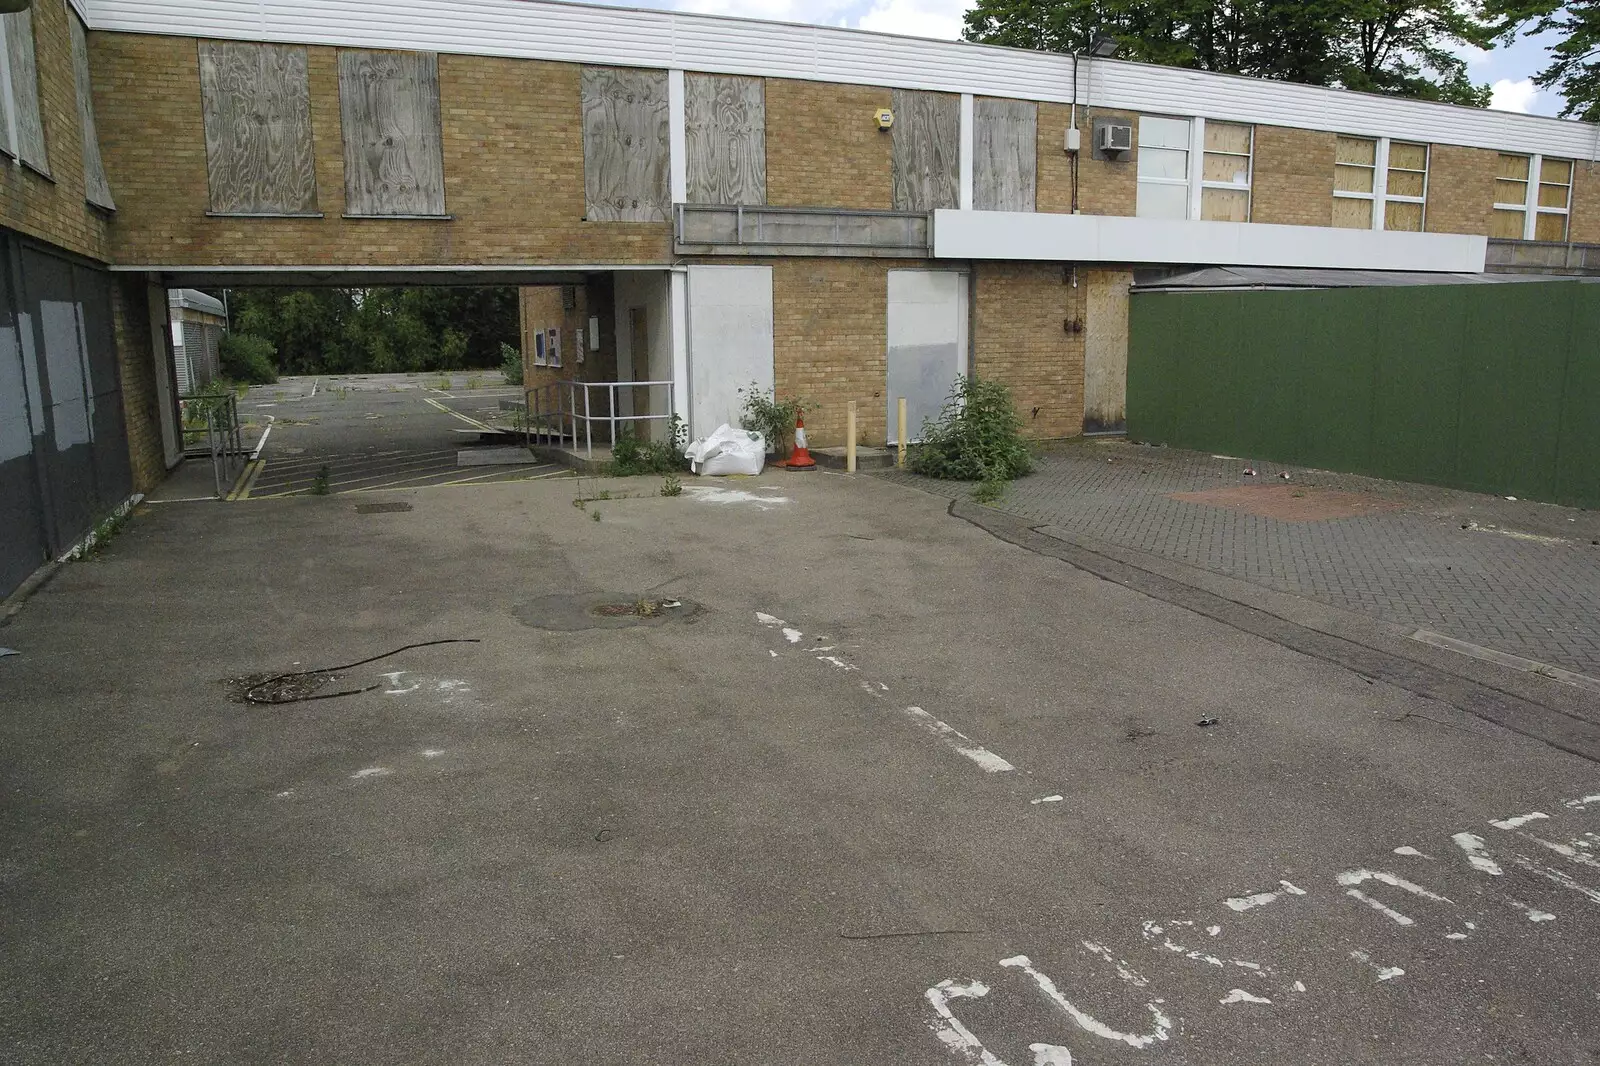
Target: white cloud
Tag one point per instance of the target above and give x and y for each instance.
(1513, 95)
(916, 18)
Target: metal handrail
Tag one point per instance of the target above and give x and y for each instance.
(224, 435)
(553, 415)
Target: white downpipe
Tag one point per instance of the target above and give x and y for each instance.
(679, 298)
(966, 151)
(677, 139)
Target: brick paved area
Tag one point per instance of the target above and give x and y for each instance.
(1520, 577)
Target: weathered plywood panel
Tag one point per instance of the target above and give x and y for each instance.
(725, 125)
(256, 102)
(926, 150)
(1105, 351)
(95, 187)
(1005, 154)
(393, 155)
(25, 90)
(625, 145)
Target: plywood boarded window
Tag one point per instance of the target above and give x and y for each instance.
(393, 154)
(1406, 188)
(1355, 182)
(95, 188)
(926, 150)
(725, 128)
(25, 120)
(256, 102)
(625, 145)
(1005, 154)
(1555, 200)
(1226, 177)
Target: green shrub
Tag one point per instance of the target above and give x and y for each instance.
(248, 358)
(977, 437)
(763, 414)
(511, 364)
(630, 455)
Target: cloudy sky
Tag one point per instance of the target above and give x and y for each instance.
(1509, 70)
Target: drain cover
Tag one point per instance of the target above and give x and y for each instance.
(381, 508)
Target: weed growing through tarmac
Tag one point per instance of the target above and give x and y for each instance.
(671, 485)
(990, 490)
(594, 515)
(103, 532)
(319, 486)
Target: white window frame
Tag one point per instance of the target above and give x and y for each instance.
(1530, 194)
(1530, 207)
(1380, 181)
(1249, 187)
(1191, 178)
(1195, 179)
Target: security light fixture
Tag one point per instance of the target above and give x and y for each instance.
(1104, 46)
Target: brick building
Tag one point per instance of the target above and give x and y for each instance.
(708, 202)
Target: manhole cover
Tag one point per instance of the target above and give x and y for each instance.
(381, 508)
(574, 613)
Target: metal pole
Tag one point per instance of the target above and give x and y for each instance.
(850, 437)
(211, 446)
(900, 431)
(588, 433)
(611, 401)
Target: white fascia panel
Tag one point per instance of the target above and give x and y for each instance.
(578, 33)
(1034, 236)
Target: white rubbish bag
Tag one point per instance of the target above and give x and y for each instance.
(727, 451)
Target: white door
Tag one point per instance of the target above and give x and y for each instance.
(927, 344)
(730, 341)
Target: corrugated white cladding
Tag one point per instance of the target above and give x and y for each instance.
(577, 33)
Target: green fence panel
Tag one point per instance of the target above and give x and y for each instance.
(1492, 388)
(1512, 374)
(1334, 369)
(1419, 334)
(1578, 458)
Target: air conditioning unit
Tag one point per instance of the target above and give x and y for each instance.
(1116, 137)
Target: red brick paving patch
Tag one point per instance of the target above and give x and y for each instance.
(1290, 503)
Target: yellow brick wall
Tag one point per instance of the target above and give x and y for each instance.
(1293, 177)
(53, 209)
(1021, 338)
(830, 342)
(1104, 187)
(1460, 189)
(513, 167)
(824, 148)
(1584, 226)
(130, 323)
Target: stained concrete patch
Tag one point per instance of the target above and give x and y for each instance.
(571, 614)
(1290, 503)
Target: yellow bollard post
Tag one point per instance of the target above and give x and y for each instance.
(900, 431)
(850, 437)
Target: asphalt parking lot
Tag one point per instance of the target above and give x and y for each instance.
(801, 768)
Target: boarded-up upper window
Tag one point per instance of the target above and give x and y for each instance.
(1226, 172)
(95, 187)
(257, 105)
(393, 151)
(926, 151)
(29, 127)
(625, 147)
(725, 132)
(1005, 154)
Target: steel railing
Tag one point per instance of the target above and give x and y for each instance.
(211, 430)
(556, 414)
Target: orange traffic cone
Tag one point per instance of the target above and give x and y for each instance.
(800, 457)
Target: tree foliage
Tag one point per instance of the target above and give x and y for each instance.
(1397, 47)
(379, 330)
(1574, 68)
